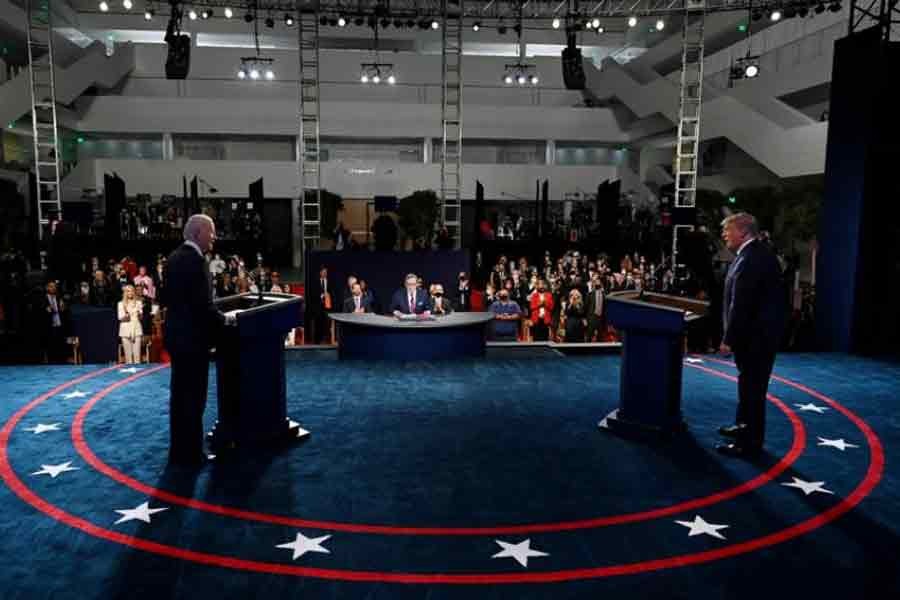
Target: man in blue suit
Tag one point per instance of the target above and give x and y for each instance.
(411, 300)
(357, 302)
(753, 316)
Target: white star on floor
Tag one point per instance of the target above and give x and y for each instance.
(811, 408)
(42, 428)
(303, 544)
(699, 527)
(521, 551)
(839, 443)
(75, 394)
(129, 370)
(54, 470)
(139, 513)
(694, 361)
(808, 487)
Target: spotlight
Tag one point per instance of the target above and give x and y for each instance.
(508, 80)
(600, 29)
(501, 28)
(332, 21)
(323, 20)
(376, 78)
(398, 23)
(588, 24)
(632, 21)
(756, 15)
(521, 79)
(242, 74)
(148, 14)
(595, 23)
(364, 78)
(206, 13)
(555, 23)
(248, 17)
(775, 16)
(834, 7)
(820, 8)
(751, 71)
(104, 7)
(391, 79)
(534, 80)
(410, 23)
(660, 25)
(435, 24)
(192, 15)
(228, 12)
(342, 22)
(254, 73)
(372, 22)
(385, 23)
(289, 19)
(270, 22)
(476, 25)
(803, 11)
(790, 12)
(127, 4)
(270, 75)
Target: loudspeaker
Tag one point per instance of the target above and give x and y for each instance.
(572, 65)
(178, 62)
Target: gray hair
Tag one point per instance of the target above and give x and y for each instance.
(744, 222)
(410, 276)
(194, 224)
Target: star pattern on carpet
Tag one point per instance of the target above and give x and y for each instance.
(694, 361)
(75, 394)
(839, 443)
(700, 527)
(808, 487)
(131, 370)
(811, 408)
(141, 512)
(521, 552)
(54, 470)
(43, 428)
(302, 544)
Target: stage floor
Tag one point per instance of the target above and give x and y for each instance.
(470, 479)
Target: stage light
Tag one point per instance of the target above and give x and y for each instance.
(270, 22)
(599, 29)
(342, 22)
(588, 24)
(790, 12)
(751, 71)
(254, 74)
(595, 23)
(501, 29)
(332, 20)
(270, 74)
(410, 23)
(391, 79)
(803, 12)
(359, 21)
(385, 23)
(127, 4)
(476, 25)
(632, 21)
(820, 8)
(775, 16)
(148, 14)
(104, 7)
(248, 18)
(228, 12)
(423, 24)
(206, 13)
(376, 78)
(534, 80)
(242, 74)
(521, 80)
(192, 15)
(435, 24)
(289, 19)
(835, 7)
(555, 23)
(398, 23)
(660, 25)
(508, 80)
(364, 78)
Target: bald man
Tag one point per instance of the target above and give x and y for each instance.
(192, 324)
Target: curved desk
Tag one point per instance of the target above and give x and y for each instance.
(377, 337)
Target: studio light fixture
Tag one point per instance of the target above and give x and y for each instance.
(248, 18)
(632, 21)
(256, 67)
(228, 12)
(148, 14)
(775, 15)
(435, 24)
(521, 74)
(127, 4)
(476, 26)
(342, 22)
(270, 22)
(835, 7)
(289, 19)
(660, 25)
(206, 13)
(748, 66)
(555, 23)
(377, 72)
(192, 15)
(103, 6)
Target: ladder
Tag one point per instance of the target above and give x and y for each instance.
(691, 98)
(43, 114)
(308, 151)
(451, 121)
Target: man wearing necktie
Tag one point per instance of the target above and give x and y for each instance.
(410, 300)
(54, 338)
(357, 303)
(320, 305)
(753, 315)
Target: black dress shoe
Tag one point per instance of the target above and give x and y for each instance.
(733, 431)
(738, 450)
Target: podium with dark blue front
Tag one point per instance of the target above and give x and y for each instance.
(250, 373)
(653, 329)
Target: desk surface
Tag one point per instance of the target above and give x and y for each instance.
(459, 319)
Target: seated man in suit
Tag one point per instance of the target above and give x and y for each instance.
(411, 299)
(440, 305)
(357, 302)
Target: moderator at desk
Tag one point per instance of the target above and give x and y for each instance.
(376, 337)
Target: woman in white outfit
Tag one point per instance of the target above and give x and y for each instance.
(130, 330)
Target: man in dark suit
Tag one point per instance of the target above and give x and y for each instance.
(440, 304)
(411, 299)
(753, 318)
(463, 297)
(192, 325)
(357, 302)
(321, 302)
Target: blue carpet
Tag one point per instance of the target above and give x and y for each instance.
(476, 449)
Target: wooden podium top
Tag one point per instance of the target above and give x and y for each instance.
(693, 309)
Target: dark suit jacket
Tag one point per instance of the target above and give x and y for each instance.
(364, 301)
(400, 301)
(754, 307)
(192, 321)
(446, 302)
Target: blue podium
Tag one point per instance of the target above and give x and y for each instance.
(653, 329)
(250, 374)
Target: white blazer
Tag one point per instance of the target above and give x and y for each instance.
(132, 328)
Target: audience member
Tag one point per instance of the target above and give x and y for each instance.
(507, 314)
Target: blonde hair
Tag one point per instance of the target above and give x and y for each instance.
(745, 222)
(125, 292)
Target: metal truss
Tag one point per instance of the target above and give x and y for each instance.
(451, 121)
(308, 150)
(884, 14)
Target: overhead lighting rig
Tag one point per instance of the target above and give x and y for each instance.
(256, 68)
